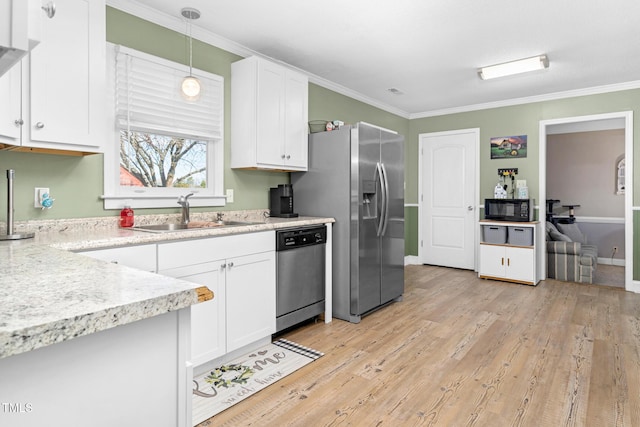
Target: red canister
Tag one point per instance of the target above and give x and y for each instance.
(126, 217)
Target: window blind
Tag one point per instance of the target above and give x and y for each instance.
(148, 98)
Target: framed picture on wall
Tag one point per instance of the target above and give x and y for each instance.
(508, 147)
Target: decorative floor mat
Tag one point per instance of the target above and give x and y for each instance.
(223, 387)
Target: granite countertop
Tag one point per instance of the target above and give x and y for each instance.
(49, 294)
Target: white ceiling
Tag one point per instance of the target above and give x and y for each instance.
(430, 49)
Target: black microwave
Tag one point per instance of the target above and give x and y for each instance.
(518, 210)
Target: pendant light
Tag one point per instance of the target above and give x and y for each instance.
(190, 87)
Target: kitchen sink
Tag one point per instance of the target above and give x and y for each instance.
(196, 225)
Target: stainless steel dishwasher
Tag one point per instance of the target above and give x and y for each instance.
(300, 274)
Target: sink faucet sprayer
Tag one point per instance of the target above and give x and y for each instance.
(182, 201)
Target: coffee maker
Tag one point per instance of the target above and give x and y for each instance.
(281, 201)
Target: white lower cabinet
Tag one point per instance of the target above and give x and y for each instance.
(206, 342)
(251, 298)
(240, 270)
(507, 262)
(510, 261)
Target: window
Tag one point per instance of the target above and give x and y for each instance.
(163, 145)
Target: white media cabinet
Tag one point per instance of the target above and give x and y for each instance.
(509, 258)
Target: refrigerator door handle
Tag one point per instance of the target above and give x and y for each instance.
(385, 199)
(380, 215)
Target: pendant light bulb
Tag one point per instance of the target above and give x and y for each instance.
(190, 87)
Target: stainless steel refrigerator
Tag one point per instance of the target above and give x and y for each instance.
(356, 175)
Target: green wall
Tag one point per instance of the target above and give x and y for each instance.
(518, 120)
(325, 104)
(77, 182)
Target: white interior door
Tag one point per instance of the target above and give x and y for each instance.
(448, 194)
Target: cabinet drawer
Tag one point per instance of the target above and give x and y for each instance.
(190, 252)
(141, 257)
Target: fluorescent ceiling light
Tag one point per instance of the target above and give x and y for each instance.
(539, 62)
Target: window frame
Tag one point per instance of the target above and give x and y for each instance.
(116, 196)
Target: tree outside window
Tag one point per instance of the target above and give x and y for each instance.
(152, 160)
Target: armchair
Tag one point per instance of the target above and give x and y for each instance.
(570, 258)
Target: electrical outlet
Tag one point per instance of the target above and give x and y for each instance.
(39, 196)
(229, 195)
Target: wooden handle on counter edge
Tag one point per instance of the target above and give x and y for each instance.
(204, 294)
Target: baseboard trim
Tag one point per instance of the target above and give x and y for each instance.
(411, 260)
(612, 261)
(635, 287)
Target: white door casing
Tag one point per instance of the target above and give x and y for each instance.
(627, 116)
(448, 180)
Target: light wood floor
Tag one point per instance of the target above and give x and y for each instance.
(459, 351)
(609, 275)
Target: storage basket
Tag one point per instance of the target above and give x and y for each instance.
(496, 234)
(520, 236)
(316, 126)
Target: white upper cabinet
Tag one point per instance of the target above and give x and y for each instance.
(10, 114)
(269, 114)
(62, 85)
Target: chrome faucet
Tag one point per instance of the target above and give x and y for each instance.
(219, 218)
(182, 201)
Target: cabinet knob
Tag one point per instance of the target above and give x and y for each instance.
(50, 9)
(19, 122)
(282, 157)
(230, 264)
(39, 125)
(469, 208)
(288, 157)
(223, 266)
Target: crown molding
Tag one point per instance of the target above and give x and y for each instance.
(176, 23)
(596, 90)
